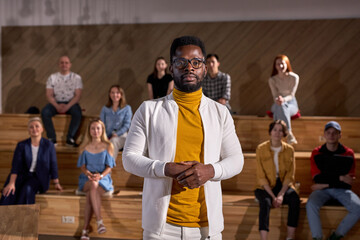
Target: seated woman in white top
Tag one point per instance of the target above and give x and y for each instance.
(116, 115)
(283, 84)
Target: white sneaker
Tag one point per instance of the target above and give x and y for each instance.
(291, 138)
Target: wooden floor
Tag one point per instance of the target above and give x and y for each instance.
(19, 222)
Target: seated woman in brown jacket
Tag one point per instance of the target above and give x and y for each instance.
(275, 163)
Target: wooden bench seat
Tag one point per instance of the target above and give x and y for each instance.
(13, 128)
(251, 130)
(243, 183)
(122, 216)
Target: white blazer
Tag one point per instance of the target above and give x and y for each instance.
(151, 143)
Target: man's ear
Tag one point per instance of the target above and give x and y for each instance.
(171, 69)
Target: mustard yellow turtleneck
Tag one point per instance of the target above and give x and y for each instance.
(187, 206)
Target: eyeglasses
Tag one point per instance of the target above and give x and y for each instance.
(181, 63)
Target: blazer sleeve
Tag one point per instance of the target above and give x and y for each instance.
(134, 157)
(232, 158)
(17, 162)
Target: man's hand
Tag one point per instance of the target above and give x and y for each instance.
(61, 108)
(319, 186)
(222, 101)
(197, 175)
(346, 179)
(174, 169)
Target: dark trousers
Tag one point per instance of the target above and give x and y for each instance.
(49, 111)
(291, 198)
(25, 189)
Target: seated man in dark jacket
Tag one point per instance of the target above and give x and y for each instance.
(333, 170)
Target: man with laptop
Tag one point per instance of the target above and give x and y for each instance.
(333, 172)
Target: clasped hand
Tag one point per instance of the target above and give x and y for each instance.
(94, 177)
(277, 201)
(190, 174)
(62, 108)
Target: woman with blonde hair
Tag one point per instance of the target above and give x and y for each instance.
(275, 176)
(116, 115)
(95, 161)
(283, 84)
(34, 164)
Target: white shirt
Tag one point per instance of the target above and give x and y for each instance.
(276, 151)
(34, 151)
(64, 85)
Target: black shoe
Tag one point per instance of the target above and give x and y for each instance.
(71, 143)
(335, 237)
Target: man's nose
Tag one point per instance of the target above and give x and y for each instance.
(189, 67)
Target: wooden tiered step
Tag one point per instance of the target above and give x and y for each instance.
(122, 213)
(244, 182)
(251, 130)
(309, 131)
(122, 217)
(13, 128)
(242, 213)
(19, 222)
(63, 215)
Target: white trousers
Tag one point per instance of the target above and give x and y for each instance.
(118, 143)
(175, 232)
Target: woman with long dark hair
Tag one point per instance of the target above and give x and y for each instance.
(159, 83)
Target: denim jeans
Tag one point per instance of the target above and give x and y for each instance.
(285, 111)
(174, 232)
(49, 111)
(345, 196)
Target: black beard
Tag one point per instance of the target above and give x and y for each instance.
(188, 88)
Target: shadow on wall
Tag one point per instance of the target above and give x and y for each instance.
(333, 93)
(254, 89)
(28, 87)
(133, 90)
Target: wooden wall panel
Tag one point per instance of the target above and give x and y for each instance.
(325, 53)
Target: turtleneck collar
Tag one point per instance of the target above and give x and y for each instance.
(187, 98)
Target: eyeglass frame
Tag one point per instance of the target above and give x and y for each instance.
(189, 61)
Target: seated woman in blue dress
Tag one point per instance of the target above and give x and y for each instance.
(34, 164)
(95, 162)
(116, 115)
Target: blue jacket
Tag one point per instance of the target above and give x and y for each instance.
(46, 165)
(118, 121)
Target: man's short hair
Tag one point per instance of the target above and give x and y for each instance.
(332, 124)
(184, 41)
(212, 55)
